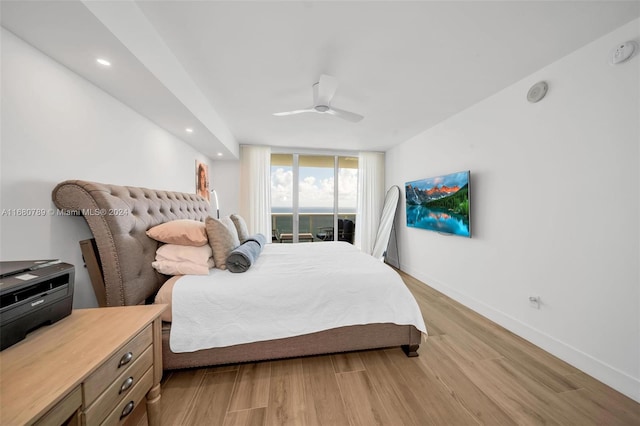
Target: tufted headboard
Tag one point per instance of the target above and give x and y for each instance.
(118, 217)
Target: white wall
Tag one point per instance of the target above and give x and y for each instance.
(58, 126)
(224, 177)
(555, 192)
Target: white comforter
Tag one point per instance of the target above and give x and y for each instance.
(292, 289)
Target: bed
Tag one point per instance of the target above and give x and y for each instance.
(119, 216)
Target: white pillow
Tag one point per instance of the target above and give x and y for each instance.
(168, 267)
(175, 259)
(178, 253)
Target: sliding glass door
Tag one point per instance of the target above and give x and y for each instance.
(282, 197)
(313, 197)
(347, 198)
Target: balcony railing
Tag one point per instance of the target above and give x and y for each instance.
(308, 223)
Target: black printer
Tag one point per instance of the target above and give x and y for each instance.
(33, 293)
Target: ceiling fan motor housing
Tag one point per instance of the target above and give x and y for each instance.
(323, 92)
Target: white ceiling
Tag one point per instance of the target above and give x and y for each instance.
(222, 68)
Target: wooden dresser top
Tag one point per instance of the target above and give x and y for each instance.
(36, 373)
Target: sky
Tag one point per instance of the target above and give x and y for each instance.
(315, 187)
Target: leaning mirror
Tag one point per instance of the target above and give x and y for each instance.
(386, 223)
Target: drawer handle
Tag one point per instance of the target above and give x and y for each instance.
(126, 359)
(127, 410)
(126, 385)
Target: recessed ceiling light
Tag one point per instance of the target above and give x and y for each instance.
(188, 130)
(104, 62)
(219, 154)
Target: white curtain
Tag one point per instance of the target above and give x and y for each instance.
(370, 198)
(255, 188)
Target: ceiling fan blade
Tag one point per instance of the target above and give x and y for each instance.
(297, 111)
(324, 90)
(347, 115)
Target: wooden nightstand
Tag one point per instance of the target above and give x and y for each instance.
(94, 366)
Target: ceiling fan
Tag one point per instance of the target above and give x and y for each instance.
(323, 92)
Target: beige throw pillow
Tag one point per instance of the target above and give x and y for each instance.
(241, 227)
(223, 238)
(185, 232)
(179, 253)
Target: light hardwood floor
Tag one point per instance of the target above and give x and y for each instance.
(470, 371)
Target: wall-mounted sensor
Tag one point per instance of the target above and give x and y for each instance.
(537, 92)
(535, 301)
(622, 52)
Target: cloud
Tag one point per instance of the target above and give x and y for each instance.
(348, 188)
(314, 191)
(281, 187)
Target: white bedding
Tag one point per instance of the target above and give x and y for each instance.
(292, 289)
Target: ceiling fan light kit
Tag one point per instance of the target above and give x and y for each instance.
(323, 92)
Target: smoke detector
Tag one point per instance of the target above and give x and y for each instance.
(622, 52)
(537, 92)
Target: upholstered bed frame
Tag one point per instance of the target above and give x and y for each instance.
(118, 217)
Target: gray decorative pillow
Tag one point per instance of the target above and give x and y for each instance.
(241, 227)
(223, 238)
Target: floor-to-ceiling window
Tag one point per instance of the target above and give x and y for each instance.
(347, 197)
(281, 194)
(313, 197)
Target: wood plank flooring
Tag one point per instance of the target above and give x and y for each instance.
(470, 372)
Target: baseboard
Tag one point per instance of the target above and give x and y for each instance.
(597, 369)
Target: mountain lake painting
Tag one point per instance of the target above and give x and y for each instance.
(440, 204)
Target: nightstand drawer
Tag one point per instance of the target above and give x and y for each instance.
(126, 406)
(63, 411)
(104, 376)
(119, 389)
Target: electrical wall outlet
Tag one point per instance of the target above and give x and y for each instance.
(534, 301)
